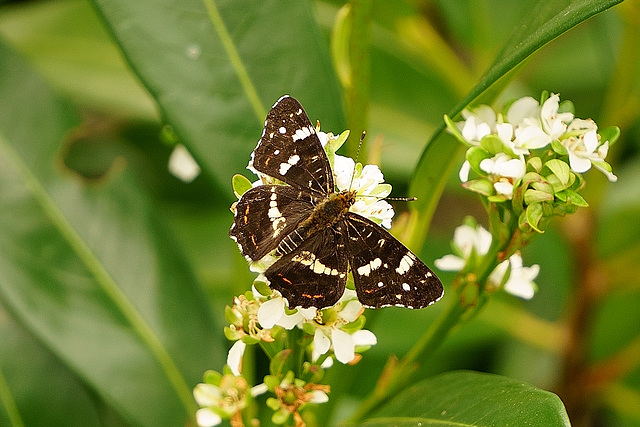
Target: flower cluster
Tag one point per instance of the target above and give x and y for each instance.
(262, 317)
(471, 243)
(532, 155)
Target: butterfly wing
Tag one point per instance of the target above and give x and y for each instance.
(290, 150)
(264, 215)
(315, 273)
(384, 271)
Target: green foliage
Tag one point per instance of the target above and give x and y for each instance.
(114, 275)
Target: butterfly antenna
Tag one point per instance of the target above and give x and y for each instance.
(364, 133)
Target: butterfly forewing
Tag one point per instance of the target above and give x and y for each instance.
(290, 150)
(384, 271)
(264, 215)
(315, 274)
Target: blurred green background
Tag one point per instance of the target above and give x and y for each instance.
(91, 207)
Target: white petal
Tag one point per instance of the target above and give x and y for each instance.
(182, 165)
(289, 321)
(464, 171)
(532, 137)
(308, 313)
(343, 346)
(483, 240)
(364, 337)
(514, 168)
(259, 389)
(497, 275)
(321, 342)
(483, 130)
(577, 163)
(234, 358)
(504, 188)
(590, 141)
(205, 417)
(270, 312)
(450, 263)
(505, 131)
(207, 394)
(351, 311)
(464, 237)
(318, 396)
(469, 129)
(521, 108)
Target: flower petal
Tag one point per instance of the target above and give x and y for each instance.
(351, 311)
(343, 346)
(207, 394)
(450, 263)
(318, 396)
(364, 337)
(270, 312)
(205, 417)
(234, 358)
(464, 171)
(321, 342)
(521, 108)
(577, 163)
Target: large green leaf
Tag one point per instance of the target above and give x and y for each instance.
(547, 21)
(91, 271)
(215, 67)
(463, 398)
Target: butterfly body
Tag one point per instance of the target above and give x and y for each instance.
(311, 228)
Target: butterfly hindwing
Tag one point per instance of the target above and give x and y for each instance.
(315, 273)
(384, 271)
(290, 150)
(264, 215)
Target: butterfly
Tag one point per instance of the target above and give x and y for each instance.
(309, 226)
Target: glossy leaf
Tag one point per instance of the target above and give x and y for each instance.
(462, 398)
(216, 67)
(547, 21)
(91, 271)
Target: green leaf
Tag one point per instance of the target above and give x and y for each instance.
(560, 169)
(240, 184)
(463, 398)
(545, 22)
(611, 134)
(91, 272)
(215, 68)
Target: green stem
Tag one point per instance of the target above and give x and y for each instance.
(357, 93)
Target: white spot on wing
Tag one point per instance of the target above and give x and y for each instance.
(405, 263)
(282, 129)
(406, 287)
(284, 168)
(303, 133)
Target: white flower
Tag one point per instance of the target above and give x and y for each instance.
(479, 123)
(330, 334)
(521, 279)
(182, 165)
(504, 171)
(586, 150)
(273, 312)
(521, 109)
(370, 190)
(553, 122)
(466, 240)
